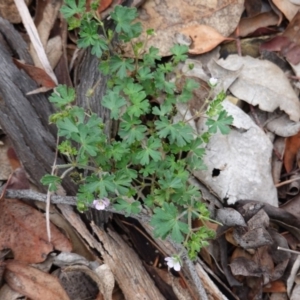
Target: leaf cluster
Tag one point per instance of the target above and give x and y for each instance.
(149, 161)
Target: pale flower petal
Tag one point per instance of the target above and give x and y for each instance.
(173, 262)
(213, 81)
(177, 266)
(106, 201)
(169, 261)
(101, 204)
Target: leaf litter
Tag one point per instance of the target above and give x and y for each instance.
(264, 98)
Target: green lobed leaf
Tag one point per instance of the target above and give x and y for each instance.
(89, 34)
(71, 7)
(165, 222)
(117, 150)
(179, 53)
(178, 133)
(131, 130)
(100, 185)
(151, 57)
(123, 16)
(121, 66)
(114, 102)
(128, 207)
(52, 181)
(149, 151)
(62, 96)
(66, 127)
(98, 47)
(222, 123)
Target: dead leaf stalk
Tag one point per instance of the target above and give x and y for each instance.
(48, 201)
(288, 250)
(287, 182)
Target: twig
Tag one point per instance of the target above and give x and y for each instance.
(238, 41)
(55, 199)
(288, 250)
(287, 181)
(5, 187)
(49, 194)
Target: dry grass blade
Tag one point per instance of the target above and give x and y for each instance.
(34, 37)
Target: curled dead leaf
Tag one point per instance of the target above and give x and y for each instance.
(287, 8)
(292, 146)
(23, 230)
(250, 25)
(33, 283)
(254, 85)
(37, 74)
(205, 38)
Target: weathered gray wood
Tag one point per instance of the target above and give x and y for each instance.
(14, 40)
(128, 270)
(25, 119)
(88, 77)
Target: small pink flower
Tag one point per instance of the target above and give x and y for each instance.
(101, 204)
(173, 262)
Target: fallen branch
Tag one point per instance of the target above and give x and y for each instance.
(55, 199)
(142, 217)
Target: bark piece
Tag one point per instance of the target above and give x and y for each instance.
(121, 259)
(26, 120)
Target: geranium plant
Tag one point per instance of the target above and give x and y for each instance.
(148, 162)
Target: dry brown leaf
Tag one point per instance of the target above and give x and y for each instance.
(263, 258)
(33, 283)
(54, 50)
(18, 180)
(292, 146)
(287, 8)
(9, 11)
(230, 217)
(106, 282)
(6, 293)
(288, 43)
(245, 267)
(239, 252)
(253, 7)
(45, 16)
(23, 230)
(255, 87)
(45, 21)
(293, 205)
(78, 245)
(205, 38)
(292, 50)
(103, 5)
(249, 25)
(229, 237)
(169, 17)
(6, 167)
(13, 158)
(37, 74)
(252, 239)
(277, 286)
